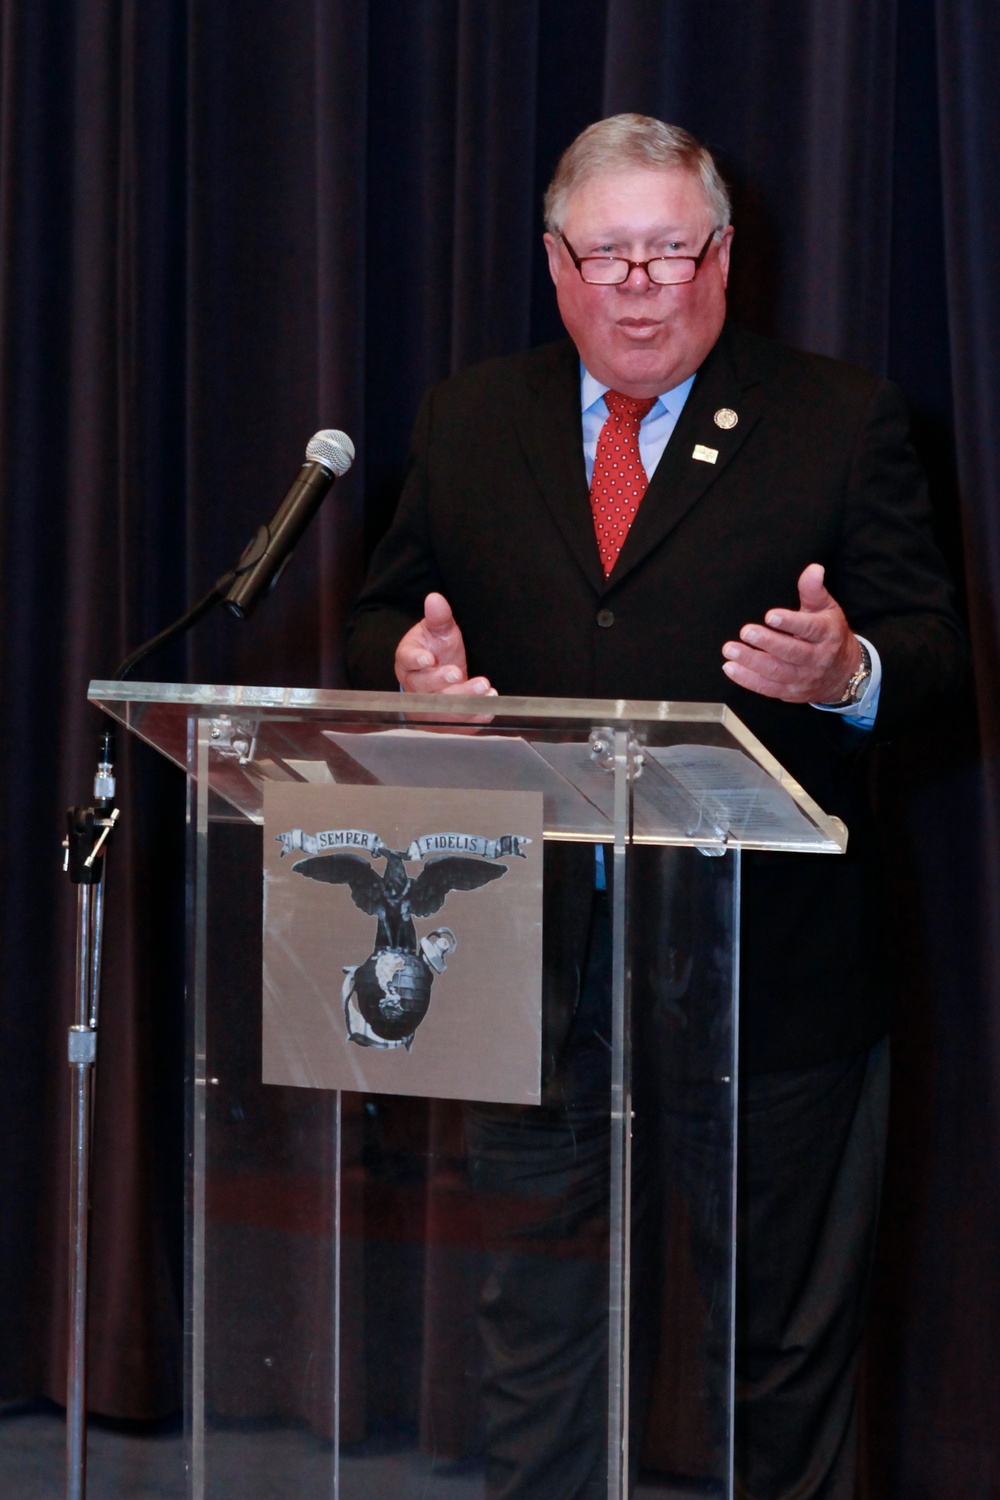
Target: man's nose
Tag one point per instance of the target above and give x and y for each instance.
(637, 280)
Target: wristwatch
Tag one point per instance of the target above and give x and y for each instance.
(859, 681)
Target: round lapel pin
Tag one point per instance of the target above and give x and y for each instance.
(725, 418)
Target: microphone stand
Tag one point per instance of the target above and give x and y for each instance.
(88, 838)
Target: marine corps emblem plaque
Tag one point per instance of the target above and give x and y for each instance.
(402, 940)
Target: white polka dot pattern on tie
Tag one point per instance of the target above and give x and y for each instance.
(619, 480)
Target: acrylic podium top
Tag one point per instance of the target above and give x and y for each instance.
(696, 774)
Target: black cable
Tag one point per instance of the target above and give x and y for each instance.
(197, 611)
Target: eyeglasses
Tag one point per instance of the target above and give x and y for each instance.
(662, 270)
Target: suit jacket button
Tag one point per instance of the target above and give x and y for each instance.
(605, 618)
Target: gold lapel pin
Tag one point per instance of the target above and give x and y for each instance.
(725, 418)
(705, 455)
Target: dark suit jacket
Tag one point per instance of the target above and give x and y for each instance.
(495, 514)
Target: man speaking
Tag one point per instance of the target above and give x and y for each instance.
(666, 507)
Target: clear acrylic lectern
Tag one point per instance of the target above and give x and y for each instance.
(434, 1297)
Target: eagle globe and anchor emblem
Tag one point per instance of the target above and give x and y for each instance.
(386, 997)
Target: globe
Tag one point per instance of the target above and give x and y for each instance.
(393, 992)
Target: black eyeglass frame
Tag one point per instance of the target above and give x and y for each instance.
(638, 265)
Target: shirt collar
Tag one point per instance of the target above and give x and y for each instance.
(592, 391)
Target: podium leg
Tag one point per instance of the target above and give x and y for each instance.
(338, 1227)
(620, 1250)
(197, 928)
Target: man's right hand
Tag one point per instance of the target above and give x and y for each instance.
(431, 656)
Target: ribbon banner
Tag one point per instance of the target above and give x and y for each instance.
(430, 843)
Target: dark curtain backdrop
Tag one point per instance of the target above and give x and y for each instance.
(223, 226)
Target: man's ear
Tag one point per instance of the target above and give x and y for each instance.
(551, 244)
(724, 247)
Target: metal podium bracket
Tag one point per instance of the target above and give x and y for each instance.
(234, 738)
(603, 751)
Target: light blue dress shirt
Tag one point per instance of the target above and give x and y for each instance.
(655, 431)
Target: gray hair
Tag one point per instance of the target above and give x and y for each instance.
(634, 141)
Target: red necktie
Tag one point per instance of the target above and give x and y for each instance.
(619, 481)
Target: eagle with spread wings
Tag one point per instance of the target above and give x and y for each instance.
(395, 898)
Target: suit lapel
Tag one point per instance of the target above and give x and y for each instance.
(546, 414)
(548, 421)
(681, 479)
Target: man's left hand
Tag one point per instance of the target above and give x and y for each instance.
(804, 655)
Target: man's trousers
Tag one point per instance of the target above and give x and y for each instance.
(811, 1152)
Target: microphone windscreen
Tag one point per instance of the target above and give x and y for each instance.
(333, 449)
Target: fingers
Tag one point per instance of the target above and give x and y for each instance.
(779, 665)
(804, 641)
(761, 672)
(430, 658)
(437, 679)
(481, 686)
(801, 656)
(413, 653)
(414, 656)
(797, 671)
(746, 674)
(431, 655)
(794, 639)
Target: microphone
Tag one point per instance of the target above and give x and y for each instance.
(329, 454)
